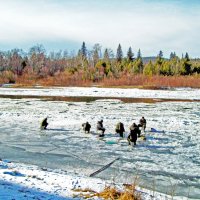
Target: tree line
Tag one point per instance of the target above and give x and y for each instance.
(93, 65)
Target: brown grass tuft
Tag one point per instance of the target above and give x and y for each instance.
(112, 193)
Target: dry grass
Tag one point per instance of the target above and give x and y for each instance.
(61, 79)
(137, 81)
(154, 82)
(112, 193)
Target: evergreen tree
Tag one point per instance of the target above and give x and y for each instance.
(139, 55)
(149, 69)
(172, 55)
(139, 62)
(185, 66)
(187, 57)
(83, 51)
(130, 54)
(119, 55)
(159, 63)
(140, 65)
(136, 68)
(165, 68)
(160, 54)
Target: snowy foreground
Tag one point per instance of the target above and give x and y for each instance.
(167, 162)
(22, 182)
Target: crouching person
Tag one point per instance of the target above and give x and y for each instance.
(134, 132)
(100, 128)
(86, 127)
(142, 123)
(120, 129)
(44, 124)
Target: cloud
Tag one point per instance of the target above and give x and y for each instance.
(150, 26)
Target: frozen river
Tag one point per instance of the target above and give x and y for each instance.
(168, 161)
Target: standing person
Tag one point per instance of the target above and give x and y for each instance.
(142, 123)
(134, 132)
(120, 129)
(44, 123)
(100, 128)
(86, 127)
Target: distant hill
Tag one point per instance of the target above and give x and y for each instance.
(147, 59)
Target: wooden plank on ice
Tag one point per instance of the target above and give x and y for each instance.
(103, 168)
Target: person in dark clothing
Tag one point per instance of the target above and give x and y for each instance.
(142, 123)
(100, 128)
(120, 129)
(44, 123)
(134, 132)
(86, 127)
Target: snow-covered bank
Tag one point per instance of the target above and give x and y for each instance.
(22, 182)
(180, 93)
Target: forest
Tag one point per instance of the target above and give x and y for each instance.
(97, 67)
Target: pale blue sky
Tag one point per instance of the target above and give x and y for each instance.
(151, 25)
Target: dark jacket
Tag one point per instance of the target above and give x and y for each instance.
(86, 126)
(134, 132)
(143, 122)
(44, 122)
(99, 125)
(120, 127)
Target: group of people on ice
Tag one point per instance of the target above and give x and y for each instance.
(135, 130)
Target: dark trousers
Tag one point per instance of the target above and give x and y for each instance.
(132, 139)
(120, 132)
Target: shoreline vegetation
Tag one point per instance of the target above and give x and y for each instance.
(129, 81)
(98, 66)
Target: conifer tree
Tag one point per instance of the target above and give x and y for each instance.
(83, 51)
(130, 54)
(139, 55)
(149, 69)
(185, 65)
(119, 55)
(187, 57)
(159, 63)
(136, 66)
(165, 68)
(172, 55)
(139, 61)
(160, 54)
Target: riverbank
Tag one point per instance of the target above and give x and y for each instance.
(21, 182)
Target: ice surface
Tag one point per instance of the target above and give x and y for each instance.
(183, 93)
(167, 160)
